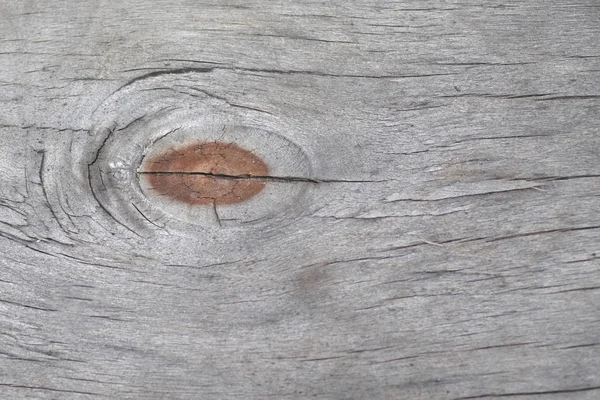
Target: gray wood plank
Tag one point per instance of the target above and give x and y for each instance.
(435, 234)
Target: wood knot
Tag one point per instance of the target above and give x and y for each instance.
(213, 173)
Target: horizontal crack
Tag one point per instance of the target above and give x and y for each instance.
(259, 177)
(240, 177)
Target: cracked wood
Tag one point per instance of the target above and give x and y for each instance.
(440, 239)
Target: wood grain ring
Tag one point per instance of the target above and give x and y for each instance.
(137, 123)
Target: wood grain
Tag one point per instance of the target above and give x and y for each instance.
(435, 233)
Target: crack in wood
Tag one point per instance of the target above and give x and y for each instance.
(241, 177)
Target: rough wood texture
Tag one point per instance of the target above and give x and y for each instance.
(434, 234)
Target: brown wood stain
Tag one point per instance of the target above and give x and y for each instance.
(207, 173)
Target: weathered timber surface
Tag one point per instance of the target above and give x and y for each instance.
(433, 233)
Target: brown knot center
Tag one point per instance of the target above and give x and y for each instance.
(207, 173)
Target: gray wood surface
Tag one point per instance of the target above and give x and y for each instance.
(436, 234)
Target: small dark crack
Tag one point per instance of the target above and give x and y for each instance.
(178, 71)
(234, 177)
(144, 216)
(539, 393)
(27, 306)
(214, 204)
(45, 193)
(289, 179)
(48, 389)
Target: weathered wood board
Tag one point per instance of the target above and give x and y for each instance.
(434, 231)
